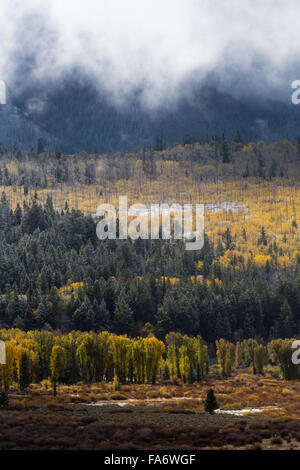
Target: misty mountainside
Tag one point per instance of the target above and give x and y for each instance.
(74, 116)
(18, 130)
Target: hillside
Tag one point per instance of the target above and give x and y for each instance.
(83, 118)
(17, 129)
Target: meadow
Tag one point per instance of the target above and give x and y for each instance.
(164, 416)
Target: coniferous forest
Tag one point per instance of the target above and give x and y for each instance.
(244, 283)
(145, 322)
(56, 274)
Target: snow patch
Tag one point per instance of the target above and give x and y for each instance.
(245, 411)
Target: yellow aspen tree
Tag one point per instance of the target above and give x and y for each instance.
(120, 347)
(57, 362)
(259, 359)
(105, 355)
(139, 355)
(87, 352)
(201, 357)
(225, 356)
(184, 363)
(238, 354)
(173, 342)
(154, 350)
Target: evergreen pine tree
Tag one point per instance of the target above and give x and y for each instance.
(263, 240)
(43, 313)
(224, 150)
(286, 321)
(237, 143)
(211, 403)
(123, 316)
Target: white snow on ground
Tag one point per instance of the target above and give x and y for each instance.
(246, 411)
(158, 401)
(224, 206)
(104, 403)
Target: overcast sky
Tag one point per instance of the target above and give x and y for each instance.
(245, 46)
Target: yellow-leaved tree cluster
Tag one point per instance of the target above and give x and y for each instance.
(78, 356)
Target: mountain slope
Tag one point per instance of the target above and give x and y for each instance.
(16, 129)
(79, 117)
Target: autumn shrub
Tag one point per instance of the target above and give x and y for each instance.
(46, 384)
(25, 404)
(116, 386)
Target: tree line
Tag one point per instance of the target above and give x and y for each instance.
(200, 161)
(89, 357)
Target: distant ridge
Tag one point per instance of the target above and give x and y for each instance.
(73, 115)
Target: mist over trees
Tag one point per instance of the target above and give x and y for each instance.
(76, 115)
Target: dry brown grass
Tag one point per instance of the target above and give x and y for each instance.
(65, 422)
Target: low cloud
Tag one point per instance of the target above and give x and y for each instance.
(156, 47)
